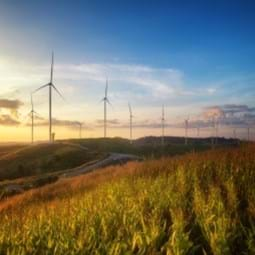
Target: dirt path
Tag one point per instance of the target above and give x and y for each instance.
(14, 188)
(112, 159)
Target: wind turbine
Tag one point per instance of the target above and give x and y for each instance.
(32, 112)
(232, 124)
(106, 101)
(234, 133)
(163, 125)
(248, 133)
(50, 85)
(80, 129)
(130, 122)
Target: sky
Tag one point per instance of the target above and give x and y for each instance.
(195, 57)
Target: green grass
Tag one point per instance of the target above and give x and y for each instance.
(150, 147)
(201, 203)
(42, 159)
(19, 161)
(6, 149)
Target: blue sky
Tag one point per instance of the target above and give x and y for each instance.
(189, 55)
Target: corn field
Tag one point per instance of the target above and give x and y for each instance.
(200, 203)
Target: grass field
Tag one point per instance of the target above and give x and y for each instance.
(150, 147)
(43, 159)
(19, 161)
(200, 203)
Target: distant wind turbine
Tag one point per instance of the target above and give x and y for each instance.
(80, 129)
(248, 133)
(163, 125)
(232, 124)
(32, 113)
(50, 85)
(106, 101)
(234, 133)
(198, 130)
(130, 122)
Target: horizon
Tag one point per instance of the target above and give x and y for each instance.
(195, 58)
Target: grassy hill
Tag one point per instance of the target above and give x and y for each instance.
(150, 147)
(200, 203)
(19, 161)
(42, 159)
(5, 149)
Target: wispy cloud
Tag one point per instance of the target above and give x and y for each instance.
(231, 114)
(111, 122)
(8, 120)
(70, 124)
(10, 104)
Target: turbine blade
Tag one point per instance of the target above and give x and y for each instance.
(37, 114)
(130, 110)
(46, 85)
(32, 104)
(52, 65)
(100, 101)
(106, 87)
(108, 101)
(58, 92)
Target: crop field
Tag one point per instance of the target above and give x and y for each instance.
(199, 203)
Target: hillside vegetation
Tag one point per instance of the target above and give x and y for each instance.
(43, 158)
(150, 147)
(201, 203)
(6, 149)
(19, 161)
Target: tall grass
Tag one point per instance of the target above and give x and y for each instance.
(201, 203)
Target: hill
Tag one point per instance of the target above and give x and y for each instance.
(43, 158)
(200, 203)
(150, 146)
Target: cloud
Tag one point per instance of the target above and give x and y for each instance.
(71, 124)
(10, 104)
(213, 112)
(57, 122)
(111, 122)
(231, 114)
(7, 120)
(160, 81)
(150, 124)
(234, 108)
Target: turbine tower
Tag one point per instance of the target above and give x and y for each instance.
(198, 130)
(163, 125)
(106, 101)
(50, 85)
(130, 122)
(32, 112)
(248, 133)
(234, 133)
(80, 129)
